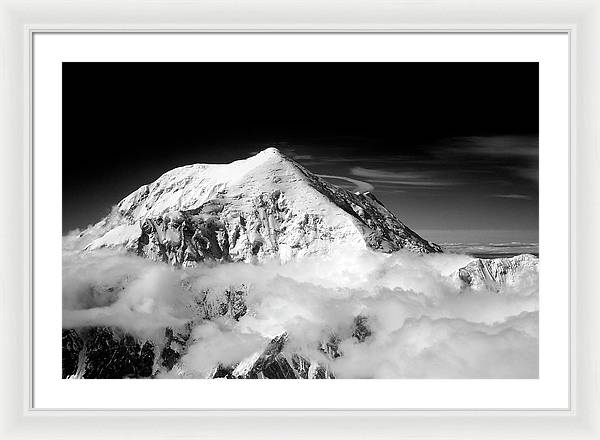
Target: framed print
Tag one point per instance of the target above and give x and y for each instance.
(320, 227)
(282, 254)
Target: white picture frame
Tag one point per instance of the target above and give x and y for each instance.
(581, 20)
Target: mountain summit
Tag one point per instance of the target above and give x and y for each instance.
(249, 210)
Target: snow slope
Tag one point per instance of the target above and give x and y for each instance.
(266, 206)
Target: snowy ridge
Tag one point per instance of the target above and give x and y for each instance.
(249, 210)
(497, 274)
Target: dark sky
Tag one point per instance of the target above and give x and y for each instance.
(446, 146)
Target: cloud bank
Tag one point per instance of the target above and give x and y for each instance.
(422, 325)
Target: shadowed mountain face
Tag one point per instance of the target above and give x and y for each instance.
(266, 206)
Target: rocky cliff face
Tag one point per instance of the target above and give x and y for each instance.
(267, 206)
(497, 274)
(108, 353)
(112, 353)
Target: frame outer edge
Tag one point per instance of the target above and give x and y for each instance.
(17, 422)
(587, 218)
(14, 257)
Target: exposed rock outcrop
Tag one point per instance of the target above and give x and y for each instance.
(497, 274)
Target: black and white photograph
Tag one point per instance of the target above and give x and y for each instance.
(300, 220)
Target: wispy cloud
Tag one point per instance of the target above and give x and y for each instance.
(425, 183)
(390, 190)
(359, 185)
(517, 155)
(403, 178)
(513, 196)
(503, 146)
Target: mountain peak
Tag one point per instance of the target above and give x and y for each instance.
(264, 206)
(271, 152)
(270, 155)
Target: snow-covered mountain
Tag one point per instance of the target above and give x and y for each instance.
(267, 206)
(497, 274)
(249, 210)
